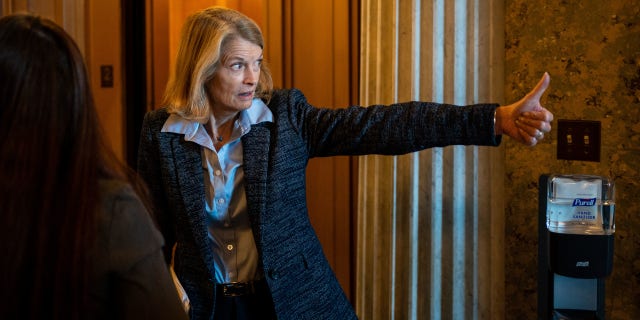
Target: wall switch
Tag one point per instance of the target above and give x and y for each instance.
(106, 76)
(579, 140)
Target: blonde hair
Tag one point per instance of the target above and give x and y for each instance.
(199, 53)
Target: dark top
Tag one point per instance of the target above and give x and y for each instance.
(301, 281)
(131, 280)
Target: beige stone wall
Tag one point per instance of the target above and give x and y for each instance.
(591, 48)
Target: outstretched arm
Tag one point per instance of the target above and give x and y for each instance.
(526, 120)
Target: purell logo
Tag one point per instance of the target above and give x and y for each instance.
(584, 264)
(584, 202)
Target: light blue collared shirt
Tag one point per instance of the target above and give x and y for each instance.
(230, 234)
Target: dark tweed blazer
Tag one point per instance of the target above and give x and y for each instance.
(276, 154)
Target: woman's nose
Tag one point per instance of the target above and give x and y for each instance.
(251, 75)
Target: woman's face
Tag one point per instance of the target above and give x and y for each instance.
(233, 85)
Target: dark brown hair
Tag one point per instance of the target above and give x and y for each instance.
(52, 156)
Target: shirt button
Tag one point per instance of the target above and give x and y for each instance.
(229, 247)
(220, 200)
(217, 172)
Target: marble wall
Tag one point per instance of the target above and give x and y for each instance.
(591, 48)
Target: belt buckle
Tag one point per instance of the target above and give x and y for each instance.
(236, 289)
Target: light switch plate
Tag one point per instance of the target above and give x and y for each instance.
(579, 140)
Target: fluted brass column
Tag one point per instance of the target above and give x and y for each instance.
(431, 224)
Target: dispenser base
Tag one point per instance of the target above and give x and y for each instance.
(561, 314)
(580, 256)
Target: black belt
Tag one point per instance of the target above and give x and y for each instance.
(237, 289)
(243, 300)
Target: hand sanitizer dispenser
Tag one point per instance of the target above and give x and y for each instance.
(575, 253)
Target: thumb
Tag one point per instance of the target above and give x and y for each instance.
(542, 85)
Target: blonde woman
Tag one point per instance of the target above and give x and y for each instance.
(225, 159)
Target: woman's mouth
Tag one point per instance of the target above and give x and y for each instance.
(246, 95)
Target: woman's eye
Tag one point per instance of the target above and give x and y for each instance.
(256, 65)
(236, 66)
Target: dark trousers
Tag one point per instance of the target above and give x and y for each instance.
(251, 303)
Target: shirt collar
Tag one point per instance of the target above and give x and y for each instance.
(196, 132)
(259, 112)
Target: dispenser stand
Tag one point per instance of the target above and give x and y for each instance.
(554, 290)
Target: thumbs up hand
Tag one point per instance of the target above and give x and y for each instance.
(526, 120)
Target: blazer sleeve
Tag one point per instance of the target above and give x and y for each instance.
(385, 129)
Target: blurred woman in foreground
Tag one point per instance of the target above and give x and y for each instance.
(76, 240)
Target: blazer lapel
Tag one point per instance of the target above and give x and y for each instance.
(256, 161)
(188, 159)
